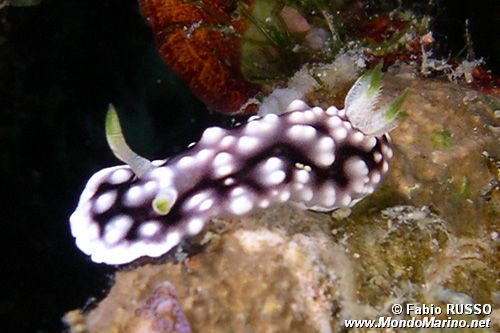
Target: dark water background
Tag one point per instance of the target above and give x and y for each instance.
(61, 65)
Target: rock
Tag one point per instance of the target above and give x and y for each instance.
(429, 235)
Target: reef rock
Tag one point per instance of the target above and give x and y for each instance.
(428, 235)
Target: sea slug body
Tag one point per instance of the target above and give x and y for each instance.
(307, 155)
(313, 157)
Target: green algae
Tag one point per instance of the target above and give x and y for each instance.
(271, 52)
(442, 139)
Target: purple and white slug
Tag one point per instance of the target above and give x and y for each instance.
(310, 156)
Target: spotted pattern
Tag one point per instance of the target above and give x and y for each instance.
(309, 156)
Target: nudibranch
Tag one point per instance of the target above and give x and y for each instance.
(318, 159)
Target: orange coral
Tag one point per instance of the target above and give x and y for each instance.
(199, 41)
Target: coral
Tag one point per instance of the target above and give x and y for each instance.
(261, 276)
(163, 311)
(234, 53)
(199, 40)
(284, 270)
